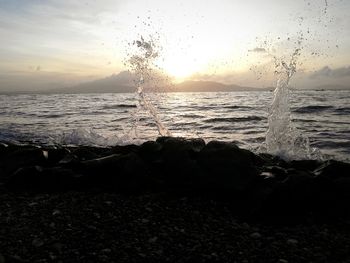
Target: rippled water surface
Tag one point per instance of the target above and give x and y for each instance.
(324, 116)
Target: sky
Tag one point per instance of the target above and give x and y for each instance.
(56, 43)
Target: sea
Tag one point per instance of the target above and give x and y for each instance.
(323, 116)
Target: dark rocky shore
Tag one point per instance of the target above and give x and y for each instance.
(174, 200)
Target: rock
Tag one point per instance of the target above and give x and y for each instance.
(150, 147)
(333, 170)
(152, 240)
(85, 152)
(106, 163)
(296, 194)
(58, 247)
(40, 178)
(106, 250)
(22, 157)
(125, 149)
(123, 172)
(255, 235)
(174, 144)
(227, 167)
(176, 165)
(37, 242)
(292, 242)
(305, 165)
(55, 155)
(16, 258)
(343, 186)
(277, 172)
(56, 212)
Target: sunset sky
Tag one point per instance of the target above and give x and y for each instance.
(55, 43)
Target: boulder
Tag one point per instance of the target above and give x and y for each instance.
(55, 155)
(44, 179)
(176, 162)
(333, 169)
(305, 165)
(299, 193)
(124, 172)
(151, 151)
(227, 167)
(175, 144)
(22, 157)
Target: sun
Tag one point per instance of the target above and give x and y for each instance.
(179, 67)
(182, 64)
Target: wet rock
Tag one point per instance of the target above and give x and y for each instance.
(151, 151)
(37, 242)
(85, 153)
(174, 144)
(276, 172)
(343, 186)
(125, 149)
(333, 170)
(40, 178)
(107, 163)
(69, 160)
(255, 235)
(226, 166)
(21, 157)
(295, 194)
(178, 165)
(55, 155)
(292, 242)
(305, 165)
(116, 171)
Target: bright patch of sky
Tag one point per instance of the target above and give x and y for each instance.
(61, 43)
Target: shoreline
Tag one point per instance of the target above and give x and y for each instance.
(174, 200)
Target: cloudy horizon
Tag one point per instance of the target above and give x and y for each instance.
(53, 44)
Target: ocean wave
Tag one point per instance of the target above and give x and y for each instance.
(234, 107)
(117, 106)
(313, 108)
(54, 116)
(333, 144)
(189, 115)
(234, 119)
(342, 111)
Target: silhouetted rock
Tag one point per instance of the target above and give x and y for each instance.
(116, 171)
(253, 184)
(178, 165)
(44, 179)
(333, 169)
(226, 166)
(55, 155)
(306, 165)
(175, 144)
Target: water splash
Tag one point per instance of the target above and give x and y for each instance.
(143, 66)
(282, 137)
(90, 137)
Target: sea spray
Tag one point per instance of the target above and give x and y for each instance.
(282, 138)
(143, 66)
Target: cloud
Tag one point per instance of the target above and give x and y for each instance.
(331, 73)
(258, 50)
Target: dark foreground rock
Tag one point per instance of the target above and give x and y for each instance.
(252, 184)
(170, 200)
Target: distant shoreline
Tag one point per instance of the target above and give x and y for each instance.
(130, 92)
